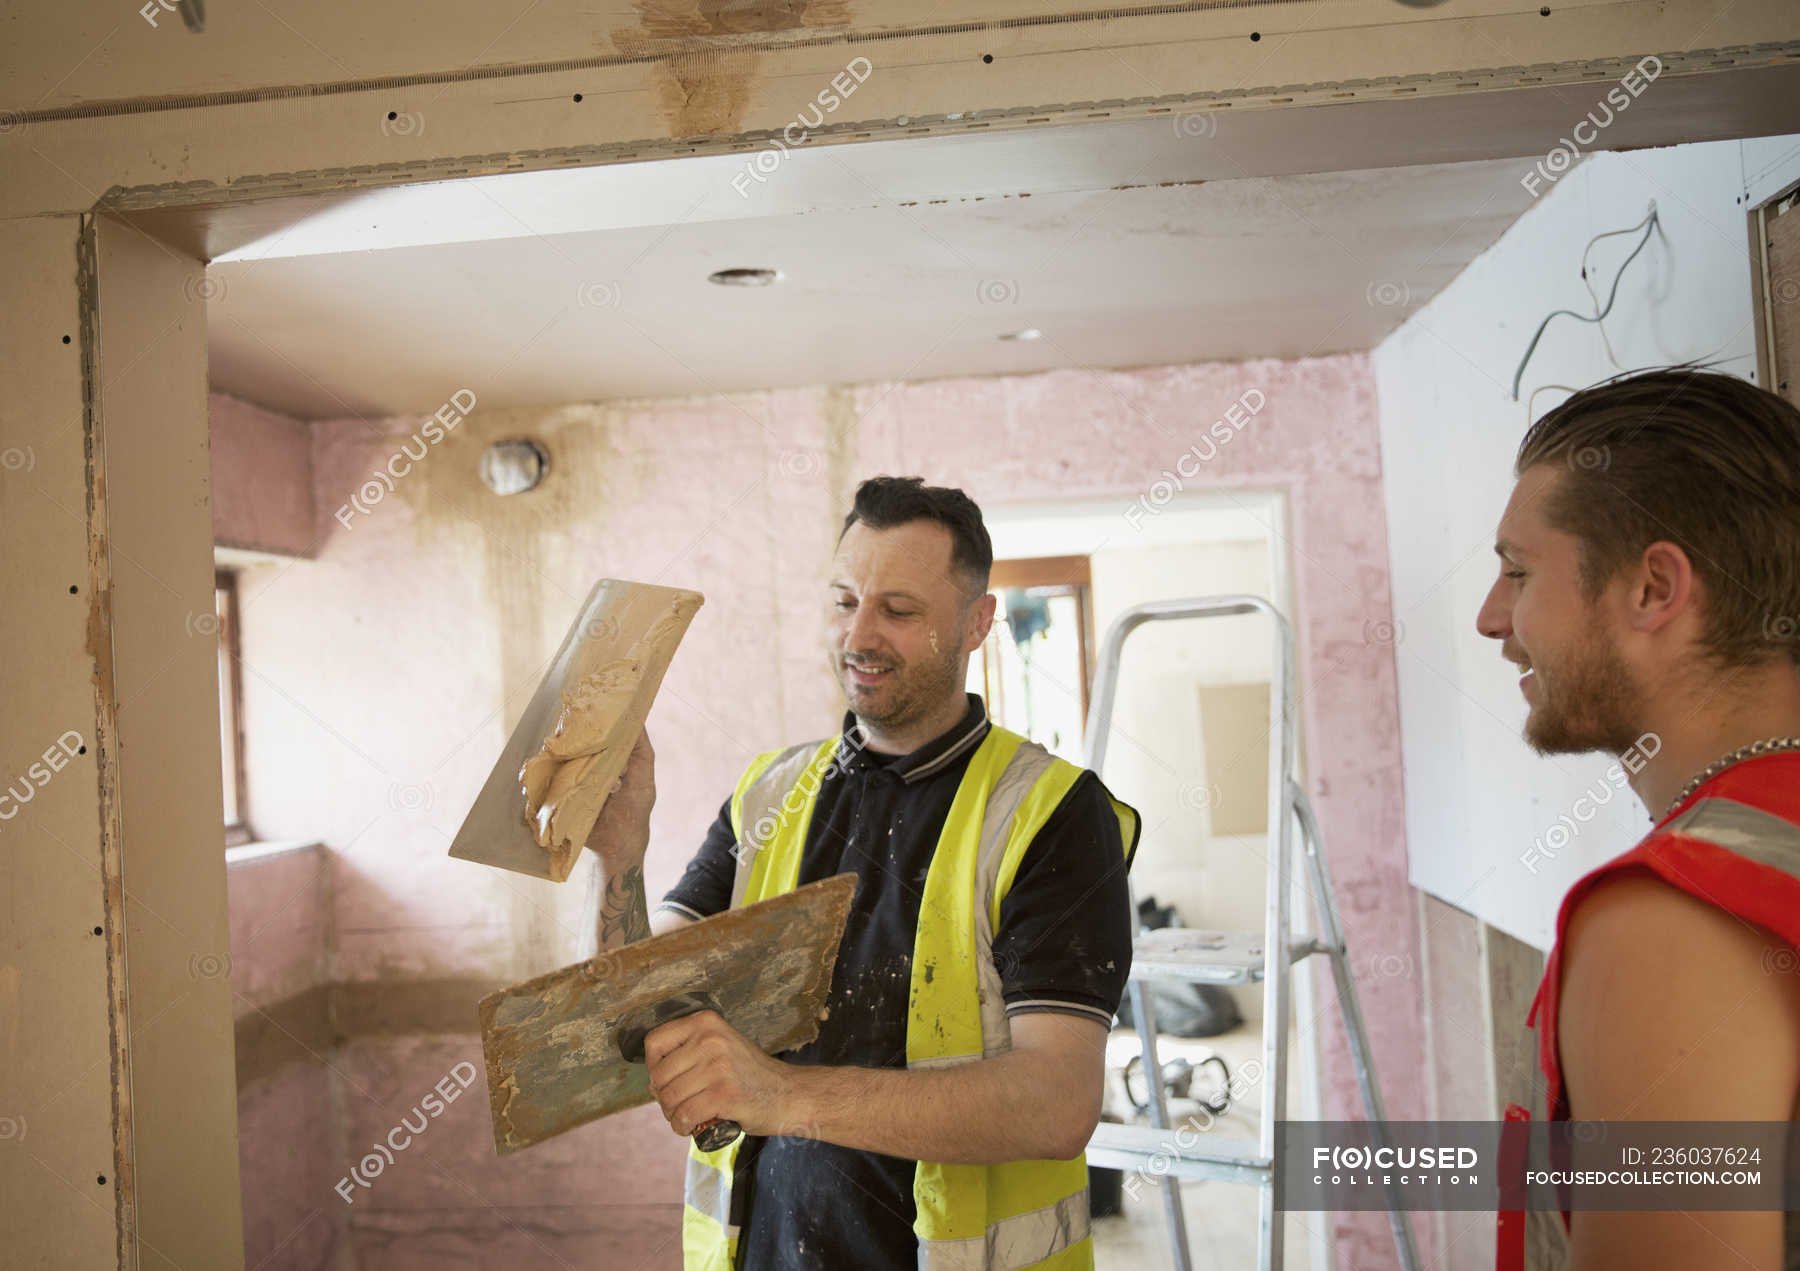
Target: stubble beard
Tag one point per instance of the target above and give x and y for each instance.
(1587, 701)
(915, 689)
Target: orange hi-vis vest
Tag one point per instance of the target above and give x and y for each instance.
(1733, 843)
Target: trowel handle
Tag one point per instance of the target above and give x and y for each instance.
(716, 1133)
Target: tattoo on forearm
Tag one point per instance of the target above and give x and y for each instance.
(624, 914)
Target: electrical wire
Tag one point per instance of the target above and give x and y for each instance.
(1649, 225)
(1587, 281)
(1531, 402)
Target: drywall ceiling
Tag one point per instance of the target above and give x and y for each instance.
(897, 261)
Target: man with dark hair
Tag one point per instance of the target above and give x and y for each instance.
(888, 694)
(940, 1118)
(1650, 586)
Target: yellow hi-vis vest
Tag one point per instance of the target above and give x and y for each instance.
(969, 1217)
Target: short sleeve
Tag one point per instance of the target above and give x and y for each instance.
(1064, 939)
(705, 889)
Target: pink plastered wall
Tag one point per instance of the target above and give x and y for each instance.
(279, 909)
(266, 505)
(382, 678)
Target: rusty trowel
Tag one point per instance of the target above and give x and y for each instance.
(556, 1046)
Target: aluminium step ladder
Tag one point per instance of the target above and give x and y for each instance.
(1205, 957)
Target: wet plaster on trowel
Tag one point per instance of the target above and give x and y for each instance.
(703, 79)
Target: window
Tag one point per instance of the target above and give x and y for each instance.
(1036, 666)
(231, 724)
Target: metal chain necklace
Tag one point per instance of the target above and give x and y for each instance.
(1767, 746)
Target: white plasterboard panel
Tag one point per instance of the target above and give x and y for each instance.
(1477, 798)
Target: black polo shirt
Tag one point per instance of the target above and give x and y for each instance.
(1063, 944)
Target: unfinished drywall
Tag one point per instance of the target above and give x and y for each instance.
(1483, 811)
(152, 480)
(118, 1090)
(60, 937)
(144, 114)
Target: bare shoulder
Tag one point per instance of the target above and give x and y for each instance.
(1661, 992)
(1674, 1010)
